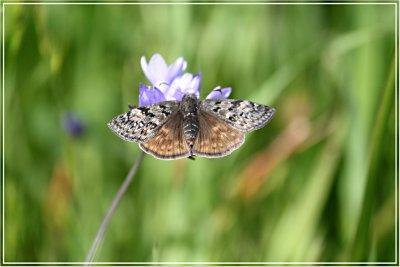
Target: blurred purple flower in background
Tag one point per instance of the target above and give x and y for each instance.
(169, 82)
(73, 126)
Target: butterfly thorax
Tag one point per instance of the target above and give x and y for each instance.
(189, 109)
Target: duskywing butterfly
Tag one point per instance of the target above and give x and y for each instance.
(187, 128)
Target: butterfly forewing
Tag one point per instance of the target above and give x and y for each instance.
(169, 142)
(141, 124)
(215, 137)
(242, 115)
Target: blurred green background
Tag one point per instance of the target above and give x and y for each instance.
(316, 184)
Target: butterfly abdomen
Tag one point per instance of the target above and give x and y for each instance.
(190, 119)
(190, 129)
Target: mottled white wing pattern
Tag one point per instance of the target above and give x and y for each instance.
(242, 115)
(142, 123)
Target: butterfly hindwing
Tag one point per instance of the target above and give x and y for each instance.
(169, 142)
(142, 123)
(242, 115)
(215, 137)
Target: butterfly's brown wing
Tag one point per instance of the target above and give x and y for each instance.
(216, 138)
(168, 143)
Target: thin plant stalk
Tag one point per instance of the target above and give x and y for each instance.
(117, 199)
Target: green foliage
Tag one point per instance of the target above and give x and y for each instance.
(316, 184)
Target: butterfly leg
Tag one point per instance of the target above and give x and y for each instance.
(191, 157)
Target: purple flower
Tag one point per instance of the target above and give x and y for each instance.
(73, 125)
(170, 83)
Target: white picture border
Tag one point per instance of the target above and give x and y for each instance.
(395, 4)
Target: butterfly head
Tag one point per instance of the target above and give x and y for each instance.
(190, 98)
(189, 104)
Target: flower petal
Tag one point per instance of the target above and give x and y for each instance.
(156, 70)
(193, 87)
(176, 95)
(159, 73)
(176, 69)
(174, 92)
(185, 84)
(145, 69)
(219, 93)
(149, 96)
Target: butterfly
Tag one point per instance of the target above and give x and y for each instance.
(191, 127)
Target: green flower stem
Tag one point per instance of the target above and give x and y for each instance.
(117, 199)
